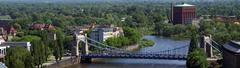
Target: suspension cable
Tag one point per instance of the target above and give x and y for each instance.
(213, 46)
(101, 47)
(106, 45)
(169, 49)
(128, 52)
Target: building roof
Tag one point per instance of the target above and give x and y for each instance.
(5, 17)
(107, 29)
(16, 44)
(183, 5)
(84, 27)
(233, 46)
(42, 26)
(238, 43)
(103, 29)
(7, 27)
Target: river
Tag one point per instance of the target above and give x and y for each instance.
(161, 43)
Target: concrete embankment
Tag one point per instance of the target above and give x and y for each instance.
(65, 63)
(132, 47)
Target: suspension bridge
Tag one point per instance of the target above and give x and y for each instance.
(105, 51)
(101, 50)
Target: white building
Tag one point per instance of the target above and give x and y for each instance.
(3, 50)
(5, 45)
(101, 34)
(1, 39)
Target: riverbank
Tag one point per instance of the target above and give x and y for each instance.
(131, 47)
(65, 62)
(174, 37)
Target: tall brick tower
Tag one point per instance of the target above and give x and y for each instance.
(183, 13)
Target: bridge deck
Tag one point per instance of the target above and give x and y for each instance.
(138, 56)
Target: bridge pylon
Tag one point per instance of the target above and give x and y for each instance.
(76, 45)
(205, 43)
(85, 50)
(81, 39)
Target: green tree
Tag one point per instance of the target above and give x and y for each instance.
(58, 45)
(194, 43)
(38, 52)
(197, 59)
(56, 51)
(18, 57)
(29, 38)
(68, 42)
(133, 35)
(45, 35)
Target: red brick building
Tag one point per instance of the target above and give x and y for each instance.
(6, 30)
(42, 26)
(183, 14)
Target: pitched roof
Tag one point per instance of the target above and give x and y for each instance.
(42, 26)
(7, 27)
(16, 44)
(233, 46)
(184, 5)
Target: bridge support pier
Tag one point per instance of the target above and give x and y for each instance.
(206, 43)
(76, 46)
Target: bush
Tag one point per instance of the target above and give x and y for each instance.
(197, 59)
(146, 42)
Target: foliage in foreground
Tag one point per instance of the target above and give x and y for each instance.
(19, 57)
(197, 59)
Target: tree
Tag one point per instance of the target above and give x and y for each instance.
(58, 45)
(38, 50)
(194, 43)
(133, 35)
(197, 59)
(68, 42)
(38, 53)
(56, 51)
(45, 34)
(29, 38)
(18, 57)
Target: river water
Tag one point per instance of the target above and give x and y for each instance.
(161, 43)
